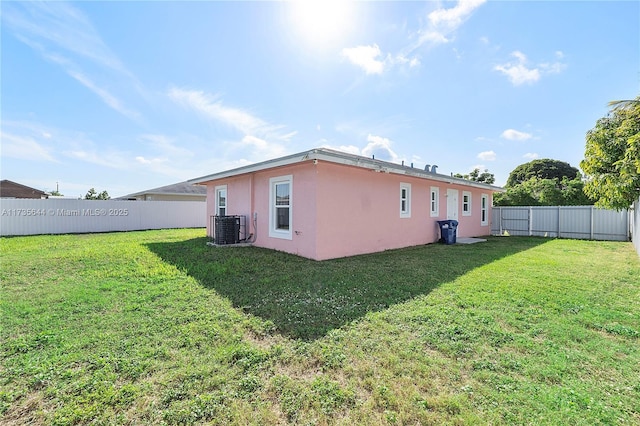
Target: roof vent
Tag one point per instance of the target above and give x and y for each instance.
(427, 167)
(433, 169)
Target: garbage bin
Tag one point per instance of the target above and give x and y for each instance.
(448, 231)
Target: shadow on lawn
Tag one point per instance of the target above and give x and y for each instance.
(305, 299)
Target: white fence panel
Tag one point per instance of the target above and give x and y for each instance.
(607, 223)
(514, 220)
(544, 221)
(63, 216)
(635, 225)
(575, 222)
(579, 222)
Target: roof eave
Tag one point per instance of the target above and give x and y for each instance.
(338, 157)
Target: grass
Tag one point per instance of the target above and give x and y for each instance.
(156, 327)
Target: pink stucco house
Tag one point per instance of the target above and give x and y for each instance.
(323, 204)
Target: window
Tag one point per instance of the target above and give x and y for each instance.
(466, 203)
(484, 210)
(221, 200)
(405, 200)
(435, 201)
(280, 207)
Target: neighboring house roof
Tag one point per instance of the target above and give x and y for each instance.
(182, 188)
(338, 157)
(10, 189)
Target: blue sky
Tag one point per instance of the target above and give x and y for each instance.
(128, 96)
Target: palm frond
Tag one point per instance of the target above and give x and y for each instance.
(624, 104)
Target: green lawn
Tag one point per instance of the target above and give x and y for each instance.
(156, 327)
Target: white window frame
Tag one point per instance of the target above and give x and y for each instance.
(219, 190)
(286, 234)
(434, 201)
(466, 205)
(484, 209)
(405, 200)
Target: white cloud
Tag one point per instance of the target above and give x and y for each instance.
(166, 146)
(366, 57)
(58, 31)
(62, 25)
(444, 22)
(441, 24)
(432, 37)
(151, 161)
(24, 148)
(372, 60)
(106, 96)
(113, 160)
(401, 59)
(487, 156)
(349, 149)
(515, 135)
(288, 136)
(239, 119)
(379, 147)
(263, 148)
(553, 68)
(520, 73)
(531, 155)
(143, 160)
(520, 56)
(259, 139)
(447, 20)
(255, 142)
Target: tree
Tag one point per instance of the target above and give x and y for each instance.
(624, 104)
(93, 195)
(544, 192)
(543, 182)
(612, 157)
(476, 176)
(541, 169)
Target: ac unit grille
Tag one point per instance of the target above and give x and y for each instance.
(228, 229)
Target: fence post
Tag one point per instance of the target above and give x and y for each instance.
(591, 227)
(530, 220)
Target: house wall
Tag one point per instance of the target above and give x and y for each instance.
(303, 201)
(343, 210)
(359, 211)
(238, 199)
(468, 226)
(249, 194)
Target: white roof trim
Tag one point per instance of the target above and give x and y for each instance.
(337, 157)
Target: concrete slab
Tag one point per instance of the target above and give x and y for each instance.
(470, 240)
